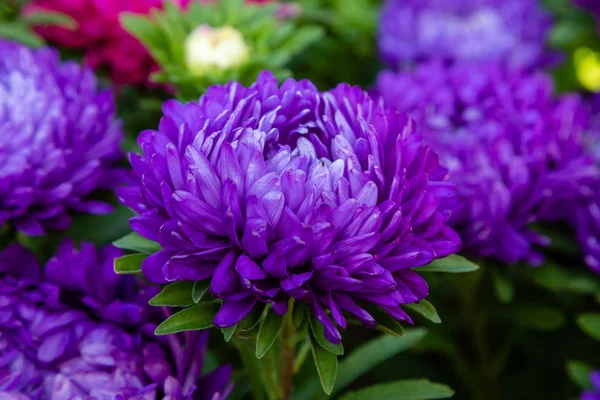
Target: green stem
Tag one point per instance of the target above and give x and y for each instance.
(302, 354)
(245, 346)
(287, 355)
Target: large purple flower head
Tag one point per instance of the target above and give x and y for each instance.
(464, 30)
(59, 139)
(594, 393)
(284, 192)
(515, 152)
(51, 348)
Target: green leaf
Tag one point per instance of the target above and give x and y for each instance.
(426, 309)
(326, 364)
(199, 290)
(135, 242)
(579, 373)
(20, 33)
(194, 318)
(252, 319)
(452, 264)
(362, 360)
(52, 18)
(385, 323)
(590, 324)
(176, 294)
(538, 317)
(298, 314)
(410, 389)
(555, 278)
(318, 333)
(228, 332)
(129, 264)
(268, 331)
(503, 287)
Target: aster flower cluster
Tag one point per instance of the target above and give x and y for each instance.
(512, 31)
(515, 153)
(59, 140)
(56, 344)
(593, 394)
(284, 192)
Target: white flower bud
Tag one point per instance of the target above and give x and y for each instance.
(214, 49)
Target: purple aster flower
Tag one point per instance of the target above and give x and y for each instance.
(586, 219)
(59, 139)
(51, 349)
(515, 153)
(593, 394)
(284, 192)
(464, 30)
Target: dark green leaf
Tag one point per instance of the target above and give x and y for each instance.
(130, 264)
(426, 309)
(200, 289)
(410, 389)
(503, 287)
(298, 314)
(135, 242)
(268, 331)
(539, 317)
(452, 264)
(253, 318)
(590, 324)
(326, 364)
(228, 332)
(176, 294)
(579, 372)
(555, 278)
(318, 333)
(385, 323)
(194, 318)
(362, 360)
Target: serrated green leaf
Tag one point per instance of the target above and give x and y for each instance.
(590, 324)
(269, 330)
(410, 389)
(452, 264)
(579, 373)
(318, 333)
(176, 294)
(426, 309)
(538, 317)
(52, 18)
(503, 287)
(326, 364)
(199, 290)
(129, 264)
(362, 360)
(228, 332)
(194, 318)
(135, 242)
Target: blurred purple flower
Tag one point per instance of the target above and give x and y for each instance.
(59, 139)
(285, 192)
(464, 30)
(49, 349)
(515, 153)
(593, 394)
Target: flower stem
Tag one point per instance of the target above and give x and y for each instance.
(287, 355)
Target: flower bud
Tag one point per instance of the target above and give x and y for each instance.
(209, 49)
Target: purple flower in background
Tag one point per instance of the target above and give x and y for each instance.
(284, 192)
(586, 219)
(50, 348)
(515, 153)
(593, 394)
(464, 30)
(59, 140)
